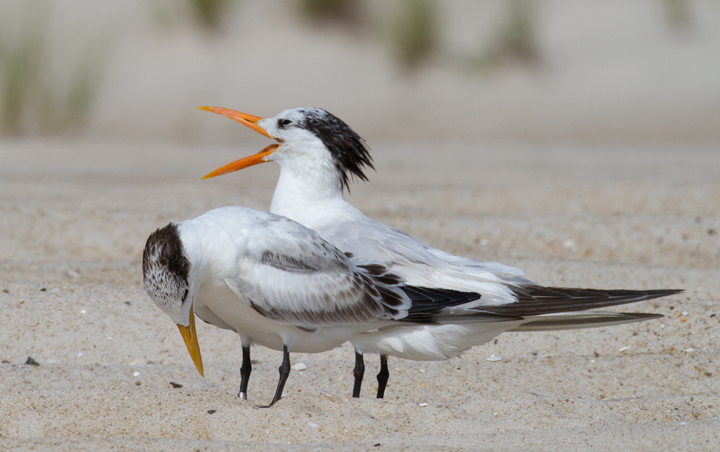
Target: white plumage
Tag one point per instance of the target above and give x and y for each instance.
(275, 283)
(318, 154)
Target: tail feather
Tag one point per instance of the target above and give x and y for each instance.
(538, 300)
(549, 308)
(588, 319)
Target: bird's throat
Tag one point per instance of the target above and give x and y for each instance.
(304, 188)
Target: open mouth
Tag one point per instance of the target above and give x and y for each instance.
(249, 121)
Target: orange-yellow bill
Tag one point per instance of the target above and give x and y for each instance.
(244, 162)
(190, 337)
(242, 118)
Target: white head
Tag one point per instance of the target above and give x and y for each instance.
(310, 135)
(165, 276)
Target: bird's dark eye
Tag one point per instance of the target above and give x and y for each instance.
(283, 122)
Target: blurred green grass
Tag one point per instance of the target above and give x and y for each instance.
(515, 38)
(414, 32)
(344, 11)
(209, 13)
(37, 93)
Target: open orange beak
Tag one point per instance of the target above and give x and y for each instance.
(249, 121)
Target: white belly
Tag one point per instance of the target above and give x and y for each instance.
(217, 297)
(429, 342)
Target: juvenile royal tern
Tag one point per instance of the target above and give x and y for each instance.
(318, 153)
(278, 284)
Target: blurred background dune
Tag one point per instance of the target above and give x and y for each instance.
(468, 70)
(577, 140)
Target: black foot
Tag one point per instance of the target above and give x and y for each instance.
(284, 373)
(382, 377)
(358, 372)
(245, 370)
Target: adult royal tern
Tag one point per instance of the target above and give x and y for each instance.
(278, 284)
(318, 153)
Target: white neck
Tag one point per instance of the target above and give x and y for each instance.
(303, 184)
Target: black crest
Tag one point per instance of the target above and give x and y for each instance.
(350, 152)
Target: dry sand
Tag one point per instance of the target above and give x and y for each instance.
(74, 218)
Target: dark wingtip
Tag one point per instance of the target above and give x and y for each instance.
(539, 300)
(658, 293)
(602, 318)
(426, 302)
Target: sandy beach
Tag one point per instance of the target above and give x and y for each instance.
(596, 165)
(75, 217)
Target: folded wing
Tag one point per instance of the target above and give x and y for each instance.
(290, 274)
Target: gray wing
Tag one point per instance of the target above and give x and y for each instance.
(420, 264)
(290, 274)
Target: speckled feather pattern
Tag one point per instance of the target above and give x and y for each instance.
(165, 267)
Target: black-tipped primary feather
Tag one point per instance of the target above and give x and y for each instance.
(538, 300)
(428, 305)
(579, 320)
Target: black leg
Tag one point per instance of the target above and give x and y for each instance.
(358, 372)
(245, 370)
(284, 373)
(382, 377)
